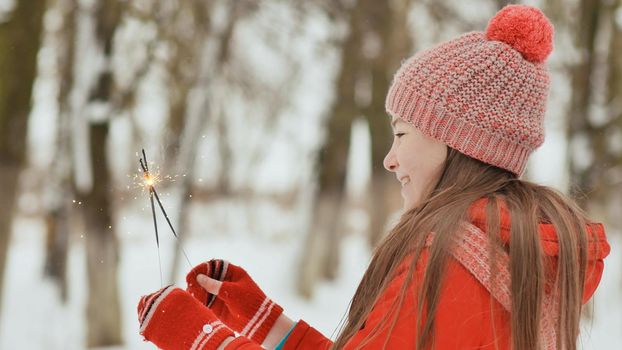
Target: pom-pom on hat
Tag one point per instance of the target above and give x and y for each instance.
(524, 28)
(482, 93)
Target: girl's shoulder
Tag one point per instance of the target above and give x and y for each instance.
(467, 314)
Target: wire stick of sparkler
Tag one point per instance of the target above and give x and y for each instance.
(154, 193)
(171, 226)
(145, 168)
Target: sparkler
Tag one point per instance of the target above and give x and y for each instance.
(149, 182)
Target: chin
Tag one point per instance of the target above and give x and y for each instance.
(410, 203)
(407, 206)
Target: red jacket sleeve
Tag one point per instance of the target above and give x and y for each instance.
(467, 317)
(242, 343)
(304, 336)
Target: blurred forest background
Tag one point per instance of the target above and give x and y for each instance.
(265, 121)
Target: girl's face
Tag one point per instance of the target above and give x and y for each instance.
(416, 160)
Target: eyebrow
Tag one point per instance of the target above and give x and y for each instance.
(395, 122)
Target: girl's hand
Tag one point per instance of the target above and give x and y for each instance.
(172, 319)
(234, 298)
(211, 286)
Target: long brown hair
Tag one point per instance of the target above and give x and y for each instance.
(462, 181)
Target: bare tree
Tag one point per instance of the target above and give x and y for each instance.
(102, 247)
(595, 110)
(172, 24)
(389, 26)
(59, 187)
(222, 68)
(613, 128)
(102, 257)
(20, 38)
(332, 161)
(376, 42)
(195, 112)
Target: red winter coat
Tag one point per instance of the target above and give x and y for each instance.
(463, 319)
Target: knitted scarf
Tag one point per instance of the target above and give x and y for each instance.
(472, 251)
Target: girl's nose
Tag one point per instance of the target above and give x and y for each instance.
(390, 162)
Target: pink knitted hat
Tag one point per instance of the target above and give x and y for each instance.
(483, 94)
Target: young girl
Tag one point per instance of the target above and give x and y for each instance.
(480, 258)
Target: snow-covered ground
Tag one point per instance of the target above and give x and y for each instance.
(33, 318)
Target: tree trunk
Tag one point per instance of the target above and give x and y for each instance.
(378, 40)
(503, 3)
(20, 38)
(613, 133)
(389, 24)
(9, 173)
(189, 53)
(59, 210)
(326, 211)
(589, 14)
(195, 123)
(57, 246)
(102, 250)
(595, 110)
(320, 258)
(195, 117)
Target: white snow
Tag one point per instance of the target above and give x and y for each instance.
(34, 319)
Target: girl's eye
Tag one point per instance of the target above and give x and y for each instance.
(399, 134)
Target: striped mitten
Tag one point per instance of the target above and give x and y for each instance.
(172, 319)
(240, 304)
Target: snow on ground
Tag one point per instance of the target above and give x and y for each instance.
(33, 318)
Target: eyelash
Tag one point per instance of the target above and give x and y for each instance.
(399, 134)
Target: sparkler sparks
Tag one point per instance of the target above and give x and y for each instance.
(148, 182)
(145, 180)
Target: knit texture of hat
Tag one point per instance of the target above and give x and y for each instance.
(482, 93)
